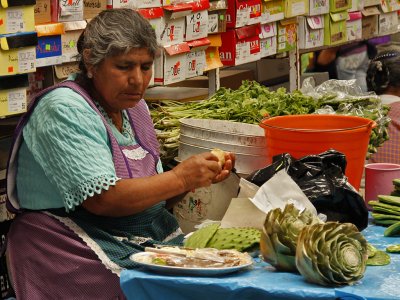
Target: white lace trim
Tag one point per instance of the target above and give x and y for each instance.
(173, 235)
(87, 189)
(135, 154)
(108, 263)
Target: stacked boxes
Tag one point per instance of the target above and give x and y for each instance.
(17, 53)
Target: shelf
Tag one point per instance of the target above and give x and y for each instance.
(302, 51)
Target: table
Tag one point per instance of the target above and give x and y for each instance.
(263, 282)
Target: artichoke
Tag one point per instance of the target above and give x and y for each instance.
(279, 236)
(331, 254)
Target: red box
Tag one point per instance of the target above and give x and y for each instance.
(243, 12)
(240, 45)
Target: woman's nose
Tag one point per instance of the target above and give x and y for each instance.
(135, 77)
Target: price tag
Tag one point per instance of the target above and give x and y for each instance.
(17, 100)
(27, 60)
(15, 20)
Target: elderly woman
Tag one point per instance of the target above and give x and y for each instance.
(85, 175)
(383, 78)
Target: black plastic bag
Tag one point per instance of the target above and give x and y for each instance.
(321, 178)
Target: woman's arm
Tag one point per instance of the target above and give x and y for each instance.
(130, 196)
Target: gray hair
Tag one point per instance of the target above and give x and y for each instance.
(114, 32)
(383, 70)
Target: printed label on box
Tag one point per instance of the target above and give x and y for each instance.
(71, 10)
(268, 46)
(197, 25)
(27, 60)
(298, 8)
(15, 20)
(17, 100)
(242, 16)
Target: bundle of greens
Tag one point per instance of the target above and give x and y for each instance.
(386, 212)
(252, 102)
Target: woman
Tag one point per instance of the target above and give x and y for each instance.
(383, 78)
(85, 171)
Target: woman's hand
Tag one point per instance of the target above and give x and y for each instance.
(227, 167)
(202, 170)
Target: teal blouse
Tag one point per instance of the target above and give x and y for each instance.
(65, 156)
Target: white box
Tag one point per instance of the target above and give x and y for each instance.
(318, 7)
(70, 38)
(170, 66)
(268, 39)
(388, 23)
(311, 32)
(354, 26)
(197, 25)
(196, 58)
(135, 4)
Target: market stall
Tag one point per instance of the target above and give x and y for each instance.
(263, 282)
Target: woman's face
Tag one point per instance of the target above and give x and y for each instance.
(122, 80)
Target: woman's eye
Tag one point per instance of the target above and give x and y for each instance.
(122, 67)
(146, 67)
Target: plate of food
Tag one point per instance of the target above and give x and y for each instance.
(194, 262)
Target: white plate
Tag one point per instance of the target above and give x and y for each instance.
(139, 258)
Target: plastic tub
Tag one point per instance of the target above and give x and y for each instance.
(302, 135)
(379, 179)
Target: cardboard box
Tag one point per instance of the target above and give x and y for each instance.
(229, 78)
(287, 35)
(92, 8)
(61, 72)
(318, 7)
(17, 53)
(388, 23)
(66, 11)
(170, 66)
(49, 47)
(196, 58)
(240, 45)
(354, 26)
(197, 21)
(17, 16)
(311, 32)
(268, 42)
(339, 5)
(70, 38)
(174, 23)
(217, 16)
(135, 4)
(335, 28)
(272, 10)
(42, 12)
(356, 5)
(295, 8)
(13, 94)
(370, 22)
(213, 60)
(368, 3)
(217, 21)
(243, 12)
(156, 18)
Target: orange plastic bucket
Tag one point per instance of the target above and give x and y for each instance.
(302, 135)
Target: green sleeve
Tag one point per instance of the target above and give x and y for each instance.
(69, 141)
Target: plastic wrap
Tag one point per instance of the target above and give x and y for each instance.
(346, 98)
(321, 178)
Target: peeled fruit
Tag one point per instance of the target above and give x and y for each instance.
(220, 154)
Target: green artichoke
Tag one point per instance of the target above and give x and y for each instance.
(331, 254)
(279, 236)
